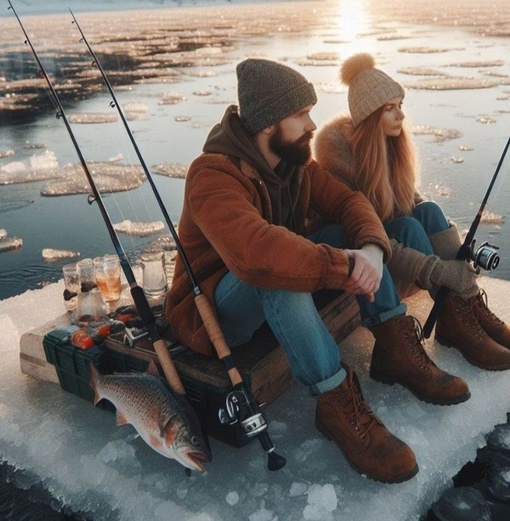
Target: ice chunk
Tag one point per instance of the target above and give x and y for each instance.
(3, 233)
(14, 167)
(92, 118)
(115, 450)
(6, 153)
(108, 177)
(440, 135)
(322, 498)
(262, 514)
(140, 229)
(44, 161)
(171, 98)
(232, 498)
(135, 111)
(49, 254)
(10, 244)
(297, 489)
(178, 170)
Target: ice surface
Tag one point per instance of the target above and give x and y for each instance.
(120, 478)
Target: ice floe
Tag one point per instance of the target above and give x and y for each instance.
(139, 229)
(6, 153)
(491, 218)
(177, 170)
(171, 98)
(134, 111)
(10, 244)
(91, 118)
(439, 134)
(453, 83)
(108, 177)
(37, 168)
(50, 255)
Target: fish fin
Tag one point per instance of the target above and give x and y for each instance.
(94, 376)
(168, 432)
(155, 442)
(152, 369)
(121, 419)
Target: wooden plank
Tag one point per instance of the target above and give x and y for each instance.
(261, 359)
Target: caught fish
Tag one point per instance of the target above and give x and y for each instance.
(164, 419)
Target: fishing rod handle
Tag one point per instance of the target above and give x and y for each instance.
(435, 311)
(215, 333)
(159, 343)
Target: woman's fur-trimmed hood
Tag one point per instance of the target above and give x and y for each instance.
(332, 148)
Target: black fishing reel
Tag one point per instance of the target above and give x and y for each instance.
(239, 409)
(485, 257)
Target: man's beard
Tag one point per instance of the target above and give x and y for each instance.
(295, 152)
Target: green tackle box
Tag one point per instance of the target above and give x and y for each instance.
(71, 364)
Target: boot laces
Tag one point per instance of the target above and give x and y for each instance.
(414, 337)
(482, 306)
(357, 411)
(467, 317)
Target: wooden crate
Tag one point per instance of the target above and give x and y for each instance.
(261, 362)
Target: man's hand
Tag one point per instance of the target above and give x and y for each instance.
(367, 273)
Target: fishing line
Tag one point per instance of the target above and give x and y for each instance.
(241, 407)
(139, 298)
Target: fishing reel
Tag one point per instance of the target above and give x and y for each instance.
(239, 409)
(486, 256)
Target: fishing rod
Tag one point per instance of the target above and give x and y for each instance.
(240, 405)
(485, 256)
(137, 293)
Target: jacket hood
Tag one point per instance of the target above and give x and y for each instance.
(333, 150)
(230, 138)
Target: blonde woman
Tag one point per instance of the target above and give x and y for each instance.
(371, 151)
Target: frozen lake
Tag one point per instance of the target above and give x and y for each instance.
(453, 58)
(457, 104)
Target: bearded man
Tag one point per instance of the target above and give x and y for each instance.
(243, 230)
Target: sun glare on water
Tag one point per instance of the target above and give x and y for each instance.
(352, 19)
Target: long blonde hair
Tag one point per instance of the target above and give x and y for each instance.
(387, 168)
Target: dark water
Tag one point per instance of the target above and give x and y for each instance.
(29, 503)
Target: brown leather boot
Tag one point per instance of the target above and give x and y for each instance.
(491, 324)
(343, 416)
(458, 327)
(400, 357)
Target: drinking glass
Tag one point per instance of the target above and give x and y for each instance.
(107, 272)
(87, 279)
(72, 285)
(154, 278)
(90, 307)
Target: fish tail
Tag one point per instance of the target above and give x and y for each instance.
(94, 377)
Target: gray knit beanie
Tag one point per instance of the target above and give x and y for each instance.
(369, 88)
(269, 92)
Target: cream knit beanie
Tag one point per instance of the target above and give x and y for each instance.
(369, 88)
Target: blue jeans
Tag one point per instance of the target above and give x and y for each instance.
(312, 352)
(414, 231)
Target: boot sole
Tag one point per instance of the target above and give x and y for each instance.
(373, 477)
(434, 401)
(444, 342)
